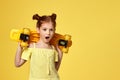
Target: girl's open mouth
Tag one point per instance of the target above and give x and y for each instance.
(47, 37)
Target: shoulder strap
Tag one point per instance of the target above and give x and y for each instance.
(53, 47)
(34, 45)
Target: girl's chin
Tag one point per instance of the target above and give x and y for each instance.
(47, 41)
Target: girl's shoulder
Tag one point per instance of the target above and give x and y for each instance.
(31, 45)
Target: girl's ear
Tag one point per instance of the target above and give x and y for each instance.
(38, 30)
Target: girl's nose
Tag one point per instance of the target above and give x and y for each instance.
(48, 31)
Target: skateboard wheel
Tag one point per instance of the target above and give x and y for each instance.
(65, 50)
(26, 31)
(69, 43)
(67, 37)
(24, 44)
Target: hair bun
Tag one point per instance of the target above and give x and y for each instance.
(53, 16)
(36, 17)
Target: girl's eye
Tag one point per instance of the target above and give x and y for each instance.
(51, 29)
(44, 29)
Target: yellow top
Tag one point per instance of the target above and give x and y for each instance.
(42, 64)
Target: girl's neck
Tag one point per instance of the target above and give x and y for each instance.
(42, 44)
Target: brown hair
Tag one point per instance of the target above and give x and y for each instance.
(44, 18)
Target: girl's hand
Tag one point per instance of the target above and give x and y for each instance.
(60, 55)
(21, 47)
(18, 60)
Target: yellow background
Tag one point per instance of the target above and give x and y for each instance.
(93, 24)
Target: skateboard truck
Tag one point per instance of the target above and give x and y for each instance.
(24, 37)
(63, 43)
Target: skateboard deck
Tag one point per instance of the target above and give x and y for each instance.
(26, 36)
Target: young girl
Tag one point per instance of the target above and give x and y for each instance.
(45, 59)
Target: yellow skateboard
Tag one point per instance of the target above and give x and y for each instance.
(26, 36)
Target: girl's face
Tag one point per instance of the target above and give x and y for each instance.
(46, 31)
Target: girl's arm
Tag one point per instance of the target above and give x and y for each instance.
(60, 55)
(18, 61)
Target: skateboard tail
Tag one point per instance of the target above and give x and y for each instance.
(63, 41)
(14, 35)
